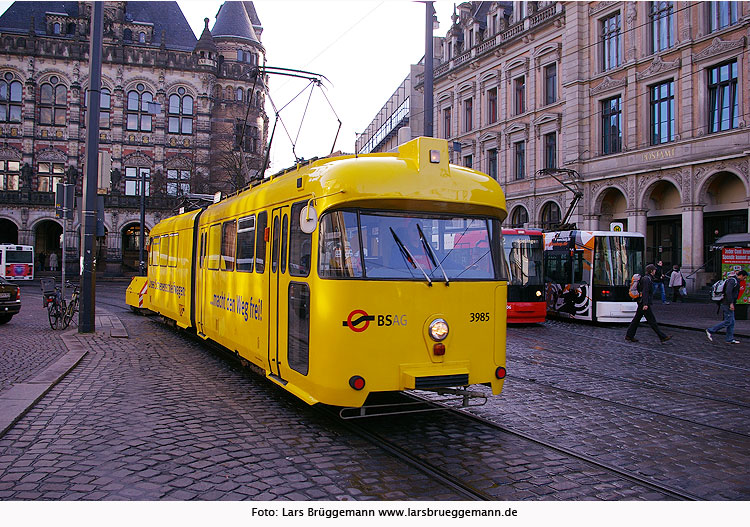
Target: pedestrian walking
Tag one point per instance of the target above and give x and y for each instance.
(646, 288)
(53, 261)
(659, 282)
(676, 282)
(731, 292)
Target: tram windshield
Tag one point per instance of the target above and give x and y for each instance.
(404, 246)
(523, 258)
(617, 259)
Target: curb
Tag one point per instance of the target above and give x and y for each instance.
(20, 398)
(702, 330)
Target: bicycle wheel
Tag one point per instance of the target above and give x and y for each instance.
(53, 312)
(70, 312)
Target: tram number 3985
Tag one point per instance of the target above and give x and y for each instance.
(479, 317)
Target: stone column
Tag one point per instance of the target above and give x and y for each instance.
(692, 241)
(637, 220)
(591, 222)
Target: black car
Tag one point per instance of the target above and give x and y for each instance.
(10, 300)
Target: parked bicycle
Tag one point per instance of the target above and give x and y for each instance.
(59, 312)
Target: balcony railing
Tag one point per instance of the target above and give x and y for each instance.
(111, 201)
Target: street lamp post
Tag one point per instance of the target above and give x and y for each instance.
(141, 228)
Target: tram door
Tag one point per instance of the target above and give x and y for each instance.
(278, 293)
(200, 280)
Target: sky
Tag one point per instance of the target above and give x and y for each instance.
(364, 48)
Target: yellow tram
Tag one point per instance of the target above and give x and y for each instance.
(344, 277)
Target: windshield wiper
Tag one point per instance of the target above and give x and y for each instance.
(408, 256)
(431, 254)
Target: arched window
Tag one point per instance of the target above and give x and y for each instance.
(240, 55)
(127, 34)
(550, 216)
(56, 28)
(142, 37)
(105, 108)
(240, 94)
(71, 28)
(53, 102)
(519, 218)
(140, 109)
(10, 99)
(180, 114)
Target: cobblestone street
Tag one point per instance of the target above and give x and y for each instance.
(161, 416)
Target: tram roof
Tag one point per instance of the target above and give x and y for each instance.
(417, 177)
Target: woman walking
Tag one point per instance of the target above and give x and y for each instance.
(676, 282)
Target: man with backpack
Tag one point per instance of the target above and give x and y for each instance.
(646, 288)
(731, 292)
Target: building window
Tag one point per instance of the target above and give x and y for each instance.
(550, 150)
(140, 109)
(492, 106)
(519, 218)
(662, 25)
(662, 113)
(133, 177)
(9, 173)
(142, 37)
(56, 28)
(447, 123)
(248, 140)
(722, 95)
(519, 95)
(550, 84)
(721, 15)
(180, 113)
(178, 182)
(105, 108)
(53, 102)
(469, 161)
(611, 126)
(49, 175)
(127, 35)
(10, 99)
(550, 216)
(611, 39)
(492, 163)
(468, 109)
(519, 154)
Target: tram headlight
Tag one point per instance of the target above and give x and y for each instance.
(438, 329)
(538, 292)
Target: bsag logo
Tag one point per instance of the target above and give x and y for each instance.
(358, 320)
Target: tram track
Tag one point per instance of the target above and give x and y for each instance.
(469, 490)
(628, 406)
(654, 386)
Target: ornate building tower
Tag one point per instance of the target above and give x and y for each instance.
(164, 96)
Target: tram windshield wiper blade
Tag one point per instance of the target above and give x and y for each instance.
(407, 254)
(431, 254)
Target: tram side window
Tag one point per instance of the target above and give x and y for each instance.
(153, 254)
(275, 245)
(339, 246)
(214, 246)
(260, 242)
(284, 238)
(300, 244)
(228, 244)
(298, 352)
(173, 245)
(246, 244)
(578, 267)
(164, 252)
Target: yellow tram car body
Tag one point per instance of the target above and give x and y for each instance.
(325, 313)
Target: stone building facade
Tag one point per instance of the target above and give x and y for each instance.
(174, 112)
(644, 104)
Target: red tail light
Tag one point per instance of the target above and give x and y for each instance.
(18, 293)
(500, 372)
(357, 382)
(438, 349)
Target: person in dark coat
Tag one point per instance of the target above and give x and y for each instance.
(731, 293)
(659, 282)
(646, 287)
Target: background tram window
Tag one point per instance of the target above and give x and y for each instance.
(214, 246)
(246, 244)
(260, 242)
(173, 245)
(557, 267)
(300, 244)
(228, 244)
(578, 267)
(164, 251)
